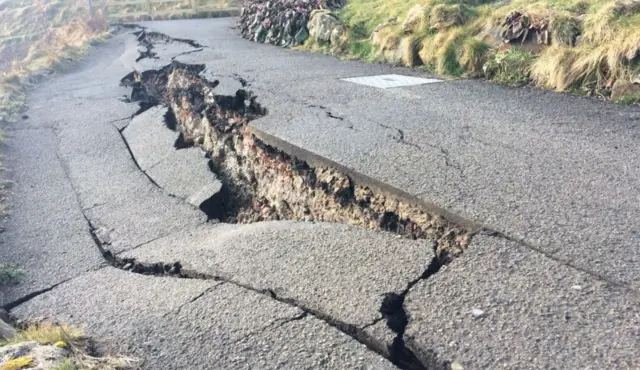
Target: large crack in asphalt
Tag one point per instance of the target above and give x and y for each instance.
(261, 182)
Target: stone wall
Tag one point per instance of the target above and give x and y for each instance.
(280, 22)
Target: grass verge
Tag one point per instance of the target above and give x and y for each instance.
(37, 37)
(562, 45)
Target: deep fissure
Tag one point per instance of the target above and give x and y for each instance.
(148, 39)
(262, 182)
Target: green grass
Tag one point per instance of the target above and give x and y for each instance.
(627, 99)
(9, 273)
(448, 62)
(510, 68)
(360, 48)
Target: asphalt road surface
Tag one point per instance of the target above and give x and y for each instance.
(557, 286)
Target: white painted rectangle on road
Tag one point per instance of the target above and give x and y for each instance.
(389, 81)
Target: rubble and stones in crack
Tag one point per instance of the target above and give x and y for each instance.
(145, 46)
(280, 22)
(155, 268)
(153, 91)
(148, 39)
(261, 182)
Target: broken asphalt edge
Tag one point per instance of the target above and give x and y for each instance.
(476, 228)
(315, 160)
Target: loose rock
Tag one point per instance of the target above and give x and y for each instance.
(623, 88)
(520, 27)
(321, 25)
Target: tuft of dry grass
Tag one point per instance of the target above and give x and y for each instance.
(73, 340)
(18, 363)
(552, 68)
(47, 333)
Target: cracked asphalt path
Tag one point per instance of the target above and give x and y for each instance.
(72, 171)
(556, 171)
(294, 294)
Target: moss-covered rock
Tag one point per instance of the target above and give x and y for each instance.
(443, 16)
(415, 19)
(625, 91)
(321, 24)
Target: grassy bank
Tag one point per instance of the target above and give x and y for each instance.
(577, 45)
(36, 37)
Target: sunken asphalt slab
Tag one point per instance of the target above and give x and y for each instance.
(339, 270)
(459, 145)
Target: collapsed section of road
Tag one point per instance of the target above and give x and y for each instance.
(263, 182)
